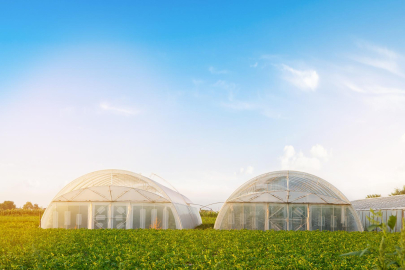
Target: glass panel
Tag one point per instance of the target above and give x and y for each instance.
(298, 217)
(250, 216)
(261, 210)
(277, 217)
(279, 183)
(101, 216)
(172, 220)
(148, 217)
(224, 223)
(78, 216)
(136, 216)
(337, 223)
(244, 216)
(328, 217)
(239, 217)
(350, 220)
(61, 209)
(316, 220)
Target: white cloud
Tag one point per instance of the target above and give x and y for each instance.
(121, 111)
(378, 49)
(217, 71)
(354, 87)
(388, 65)
(375, 89)
(381, 58)
(292, 160)
(303, 79)
(379, 90)
(318, 151)
(247, 170)
(254, 65)
(224, 85)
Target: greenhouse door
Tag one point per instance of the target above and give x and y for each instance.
(278, 215)
(101, 216)
(298, 217)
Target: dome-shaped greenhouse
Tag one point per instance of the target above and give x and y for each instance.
(121, 200)
(288, 200)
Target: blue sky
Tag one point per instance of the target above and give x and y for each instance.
(205, 94)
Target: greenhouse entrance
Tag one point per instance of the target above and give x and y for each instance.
(288, 217)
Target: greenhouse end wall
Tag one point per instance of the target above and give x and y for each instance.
(295, 217)
(101, 215)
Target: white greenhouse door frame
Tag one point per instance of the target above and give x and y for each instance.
(116, 221)
(107, 215)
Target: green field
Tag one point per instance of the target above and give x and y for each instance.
(24, 246)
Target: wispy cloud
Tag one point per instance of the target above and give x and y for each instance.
(307, 80)
(225, 85)
(378, 49)
(117, 110)
(254, 65)
(217, 71)
(379, 57)
(238, 105)
(375, 89)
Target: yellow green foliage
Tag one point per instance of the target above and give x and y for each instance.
(25, 246)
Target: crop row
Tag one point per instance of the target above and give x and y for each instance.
(24, 246)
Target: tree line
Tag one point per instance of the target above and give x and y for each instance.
(10, 205)
(397, 191)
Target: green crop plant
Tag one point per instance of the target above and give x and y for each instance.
(25, 246)
(389, 255)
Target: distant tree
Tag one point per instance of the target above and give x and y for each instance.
(7, 205)
(28, 205)
(398, 191)
(373, 196)
(36, 206)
